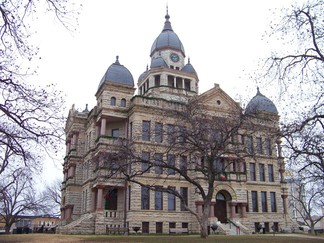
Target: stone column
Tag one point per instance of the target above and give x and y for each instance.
(103, 127)
(93, 200)
(174, 82)
(243, 210)
(74, 141)
(183, 83)
(284, 198)
(212, 209)
(199, 209)
(99, 198)
(233, 213)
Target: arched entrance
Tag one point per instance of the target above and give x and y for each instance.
(222, 197)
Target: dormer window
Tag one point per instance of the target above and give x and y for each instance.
(113, 101)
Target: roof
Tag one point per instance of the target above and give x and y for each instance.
(167, 39)
(117, 73)
(260, 103)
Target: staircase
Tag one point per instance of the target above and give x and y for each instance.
(232, 228)
(83, 225)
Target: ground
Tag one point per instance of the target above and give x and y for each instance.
(48, 238)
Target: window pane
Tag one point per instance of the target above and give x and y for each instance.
(146, 130)
(261, 170)
(158, 200)
(115, 133)
(170, 133)
(252, 172)
(270, 171)
(259, 145)
(249, 144)
(158, 160)
(264, 201)
(158, 132)
(171, 200)
(145, 198)
(145, 161)
(183, 164)
(113, 101)
(254, 196)
(273, 202)
(123, 103)
(184, 194)
(171, 163)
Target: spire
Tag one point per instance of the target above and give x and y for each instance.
(117, 61)
(167, 24)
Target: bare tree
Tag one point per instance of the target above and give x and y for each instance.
(18, 197)
(307, 199)
(201, 149)
(299, 70)
(30, 116)
(51, 198)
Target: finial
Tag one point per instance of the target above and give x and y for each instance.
(146, 67)
(167, 24)
(117, 61)
(86, 108)
(188, 60)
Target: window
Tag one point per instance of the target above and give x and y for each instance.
(268, 150)
(170, 133)
(146, 130)
(158, 199)
(145, 227)
(158, 132)
(145, 161)
(131, 130)
(171, 163)
(171, 200)
(184, 225)
(172, 225)
(249, 144)
(259, 145)
(270, 172)
(183, 164)
(123, 103)
(273, 202)
(187, 84)
(113, 101)
(115, 133)
(252, 172)
(159, 227)
(254, 196)
(158, 160)
(157, 80)
(145, 197)
(261, 172)
(264, 202)
(182, 134)
(184, 195)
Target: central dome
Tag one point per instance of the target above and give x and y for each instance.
(167, 39)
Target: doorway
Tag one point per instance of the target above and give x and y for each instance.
(221, 206)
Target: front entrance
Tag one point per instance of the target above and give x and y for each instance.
(222, 198)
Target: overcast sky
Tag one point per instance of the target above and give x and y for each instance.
(224, 40)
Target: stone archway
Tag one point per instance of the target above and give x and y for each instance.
(222, 199)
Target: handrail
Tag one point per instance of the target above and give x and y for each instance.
(237, 227)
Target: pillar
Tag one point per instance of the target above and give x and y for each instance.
(103, 127)
(199, 209)
(233, 213)
(174, 82)
(243, 210)
(212, 209)
(99, 199)
(284, 198)
(93, 200)
(74, 141)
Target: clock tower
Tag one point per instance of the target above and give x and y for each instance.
(168, 77)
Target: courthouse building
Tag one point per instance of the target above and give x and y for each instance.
(253, 194)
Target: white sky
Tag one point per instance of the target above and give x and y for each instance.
(222, 38)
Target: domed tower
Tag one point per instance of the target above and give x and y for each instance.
(168, 77)
(260, 104)
(115, 89)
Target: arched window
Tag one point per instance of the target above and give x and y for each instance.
(123, 103)
(113, 101)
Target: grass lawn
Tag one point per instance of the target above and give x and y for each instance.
(53, 238)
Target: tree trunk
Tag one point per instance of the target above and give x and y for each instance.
(204, 222)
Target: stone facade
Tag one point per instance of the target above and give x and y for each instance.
(94, 204)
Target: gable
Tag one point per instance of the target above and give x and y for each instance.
(216, 99)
